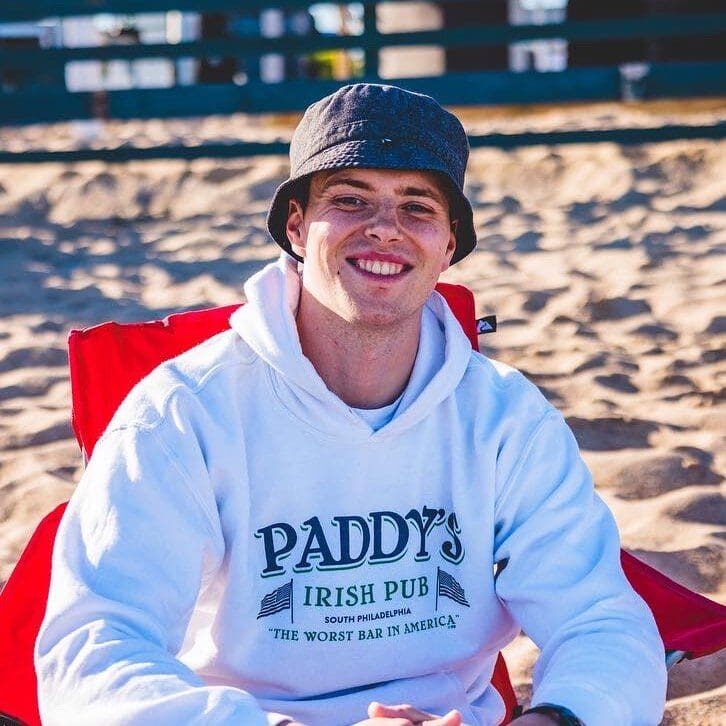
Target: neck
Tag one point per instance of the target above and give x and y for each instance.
(365, 367)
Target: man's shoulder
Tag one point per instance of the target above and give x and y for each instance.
(183, 378)
(496, 383)
(497, 374)
(193, 368)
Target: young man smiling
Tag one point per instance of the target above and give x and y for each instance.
(374, 242)
(336, 512)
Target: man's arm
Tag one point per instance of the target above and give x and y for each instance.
(602, 657)
(133, 550)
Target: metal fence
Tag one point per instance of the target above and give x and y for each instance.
(37, 99)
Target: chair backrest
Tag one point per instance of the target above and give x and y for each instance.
(106, 361)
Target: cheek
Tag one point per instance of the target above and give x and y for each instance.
(318, 234)
(326, 241)
(317, 242)
(434, 233)
(321, 257)
(434, 246)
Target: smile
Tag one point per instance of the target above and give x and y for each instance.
(379, 268)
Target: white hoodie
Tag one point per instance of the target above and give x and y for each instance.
(244, 545)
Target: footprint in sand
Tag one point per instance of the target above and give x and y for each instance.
(537, 299)
(623, 243)
(676, 380)
(600, 360)
(222, 175)
(67, 473)
(717, 326)
(699, 398)
(35, 357)
(29, 389)
(611, 433)
(656, 475)
(48, 326)
(49, 434)
(680, 364)
(655, 331)
(616, 308)
(580, 328)
(527, 242)
(715, 355)
(704, 508)
(618, 382)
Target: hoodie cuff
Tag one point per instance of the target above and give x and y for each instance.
(563, 716)
(592, 707)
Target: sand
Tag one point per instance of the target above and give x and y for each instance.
(604, 264)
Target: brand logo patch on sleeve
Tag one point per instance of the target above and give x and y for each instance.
(487, 324)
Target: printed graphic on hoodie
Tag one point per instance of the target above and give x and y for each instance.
(353, 541)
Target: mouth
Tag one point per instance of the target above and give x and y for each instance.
(379, 269)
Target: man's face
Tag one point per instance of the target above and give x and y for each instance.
(374, 242)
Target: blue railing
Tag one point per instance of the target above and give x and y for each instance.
(35, 100)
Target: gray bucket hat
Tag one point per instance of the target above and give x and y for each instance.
(373, 126)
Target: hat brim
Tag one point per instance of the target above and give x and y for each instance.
(374, 154)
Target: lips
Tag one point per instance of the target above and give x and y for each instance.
(374, 266)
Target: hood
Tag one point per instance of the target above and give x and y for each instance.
(267, 324)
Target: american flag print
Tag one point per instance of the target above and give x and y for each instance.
(276, 601)
(447, 586)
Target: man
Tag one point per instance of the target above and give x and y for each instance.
(336, 508)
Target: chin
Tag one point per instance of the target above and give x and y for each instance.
(379, 317)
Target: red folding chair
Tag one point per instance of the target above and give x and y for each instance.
(106, 361)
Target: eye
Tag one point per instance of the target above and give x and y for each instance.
(349, 201)
(416, 207)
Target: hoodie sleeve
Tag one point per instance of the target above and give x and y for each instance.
(558, 550)
(134, 547)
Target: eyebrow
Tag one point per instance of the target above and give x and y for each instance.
(408, 191)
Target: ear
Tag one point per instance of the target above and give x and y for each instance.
(451, 245)
(294, 227)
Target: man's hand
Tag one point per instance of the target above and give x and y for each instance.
(406, 715)
(403, 715)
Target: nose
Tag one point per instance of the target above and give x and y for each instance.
(382, 226)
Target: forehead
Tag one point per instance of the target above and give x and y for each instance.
(399, 180)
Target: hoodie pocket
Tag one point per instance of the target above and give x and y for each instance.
(435, 692)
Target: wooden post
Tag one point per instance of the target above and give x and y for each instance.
(370, 27)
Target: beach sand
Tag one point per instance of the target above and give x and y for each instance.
(604, 264)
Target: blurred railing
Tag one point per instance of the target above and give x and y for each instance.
(35, 99)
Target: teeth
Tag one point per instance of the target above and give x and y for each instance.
(379, 268)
